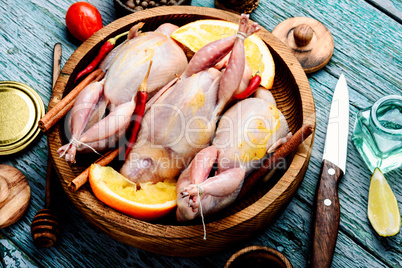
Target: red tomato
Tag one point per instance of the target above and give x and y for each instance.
(83, 20)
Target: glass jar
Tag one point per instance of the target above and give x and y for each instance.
(377, 134)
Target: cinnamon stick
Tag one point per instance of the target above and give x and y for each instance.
(81, 179)
(61, 109)
(270, 163)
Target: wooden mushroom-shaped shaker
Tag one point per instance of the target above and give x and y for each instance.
(310, 41)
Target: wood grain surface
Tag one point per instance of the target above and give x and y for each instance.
(367, 51)
(15, 194)
(326, 216)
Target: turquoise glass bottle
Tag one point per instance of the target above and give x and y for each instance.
(377, 134)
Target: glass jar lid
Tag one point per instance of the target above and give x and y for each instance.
(20, 110)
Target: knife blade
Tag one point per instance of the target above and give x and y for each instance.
(327, 210)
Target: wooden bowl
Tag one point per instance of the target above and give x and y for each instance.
(124, 10)
(258, 256)
(243, 219)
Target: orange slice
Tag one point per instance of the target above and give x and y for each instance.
(145, 201)
(199, 33)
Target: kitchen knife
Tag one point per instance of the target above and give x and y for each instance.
(327, 211)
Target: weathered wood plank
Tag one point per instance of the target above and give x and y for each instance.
(13, 257)
(291, 235)
(389, 8)
(370, 76)
(367, 50)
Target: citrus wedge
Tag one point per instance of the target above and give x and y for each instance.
(197, 34)
(383, 211)
(145, 201)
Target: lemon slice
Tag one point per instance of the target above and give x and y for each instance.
(383, 211)
(197, 34)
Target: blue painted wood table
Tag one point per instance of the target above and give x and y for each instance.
(368, 44)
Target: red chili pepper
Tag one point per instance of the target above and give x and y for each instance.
(139, 113)
(103, 51)
(141, 102)
(252, 87)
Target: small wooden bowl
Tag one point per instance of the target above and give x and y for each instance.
(123, 10)
(258, 256)
(238, 222)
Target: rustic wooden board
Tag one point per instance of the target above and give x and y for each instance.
(367, 50)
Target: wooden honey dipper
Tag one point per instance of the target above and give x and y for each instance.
(45, 225)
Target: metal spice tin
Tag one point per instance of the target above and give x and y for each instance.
(20, 110)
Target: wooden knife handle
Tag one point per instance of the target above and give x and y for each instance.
(326, 216)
